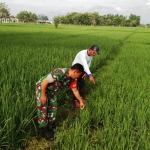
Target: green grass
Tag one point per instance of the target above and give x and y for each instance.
(117, 109)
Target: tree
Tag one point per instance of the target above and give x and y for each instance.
(56, 21)
(148, 25)
(123, 20)
(23, 16)
(134, 20)
(42, 18)
(86, 19)
(94, 18)
(32, 17)
(64, 20)
(103, 20)
(26, 16)
(4, 11)
(133, 23)
(71, 17)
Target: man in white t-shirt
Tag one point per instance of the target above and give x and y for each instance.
(84, 57)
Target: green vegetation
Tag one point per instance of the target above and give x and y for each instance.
(4, 11)
(117, 108)
(97, 20)
(25, 16)
(56, 21)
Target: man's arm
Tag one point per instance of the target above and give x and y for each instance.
(85, 64)
(77, 95)
(91, 78)
(44, 85)
(86, 68)
(52, 77)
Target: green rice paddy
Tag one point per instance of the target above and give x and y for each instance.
(117, 113)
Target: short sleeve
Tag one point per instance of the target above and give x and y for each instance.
(73, 84)
(57, 74)
(49, 77)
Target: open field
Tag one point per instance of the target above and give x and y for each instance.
(117, 109)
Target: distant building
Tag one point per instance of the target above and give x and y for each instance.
(9, 20)
(16, 20)
(45, 21)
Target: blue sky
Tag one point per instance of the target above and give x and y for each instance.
(53, 8)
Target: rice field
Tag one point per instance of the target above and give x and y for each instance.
(117, 110)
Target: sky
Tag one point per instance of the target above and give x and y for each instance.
(53, 8)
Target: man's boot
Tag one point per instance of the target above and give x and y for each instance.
(54, 127)
(49, 135)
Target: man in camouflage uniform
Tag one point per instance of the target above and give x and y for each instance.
(46, 89)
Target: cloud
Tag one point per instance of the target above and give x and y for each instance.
(117, 8)
(148, 3)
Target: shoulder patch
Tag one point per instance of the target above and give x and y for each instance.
(73, 84)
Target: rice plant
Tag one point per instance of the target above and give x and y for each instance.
(117, 108)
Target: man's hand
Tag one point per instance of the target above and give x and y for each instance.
(44, 85)
(82, 104)
(79, 104)
(43, 99)
(91, 78)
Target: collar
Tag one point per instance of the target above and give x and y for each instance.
(87, 53)
(67, 74)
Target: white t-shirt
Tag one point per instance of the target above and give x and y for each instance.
(84, 59)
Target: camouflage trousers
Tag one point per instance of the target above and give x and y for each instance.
(46, 113)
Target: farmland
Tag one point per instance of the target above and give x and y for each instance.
(117, 110)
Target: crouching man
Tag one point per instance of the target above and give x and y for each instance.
(46, 90)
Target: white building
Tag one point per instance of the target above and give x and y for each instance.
(9, 20)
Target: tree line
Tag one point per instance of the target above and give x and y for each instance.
(23, 16)
(4, 11)
(74, 18)
(95, 19)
